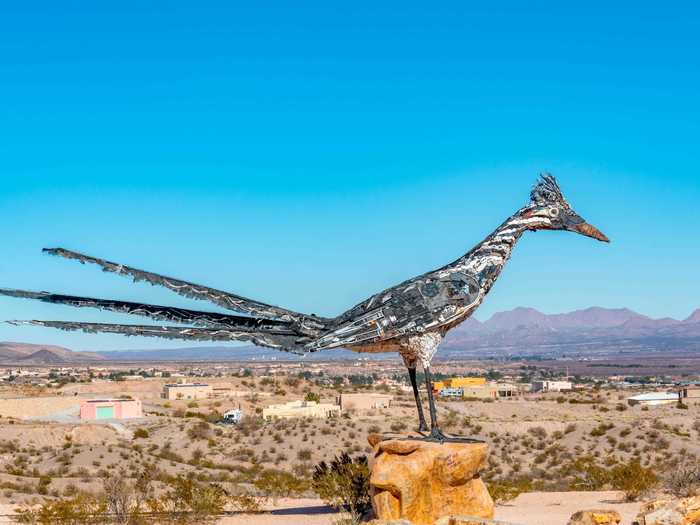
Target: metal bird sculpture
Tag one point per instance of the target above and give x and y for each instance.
(410, 318)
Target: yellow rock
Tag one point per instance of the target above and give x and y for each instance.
(422, 482)
(685, 511)
(596, 517)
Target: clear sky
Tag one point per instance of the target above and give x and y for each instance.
(311, 154)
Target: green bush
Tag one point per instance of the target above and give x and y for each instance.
(504, 490)
(280, 484)
(312, 396)
(633, 479)
(344, 484)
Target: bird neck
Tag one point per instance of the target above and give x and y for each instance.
(486, 259)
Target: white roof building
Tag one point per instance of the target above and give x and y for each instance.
(654, 398)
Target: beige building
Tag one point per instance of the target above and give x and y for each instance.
(491, 391)
(481, 392)
(295, 409)
(175, 391)
(363, 401)
(552, 386)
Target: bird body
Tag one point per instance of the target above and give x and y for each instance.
(410, 318)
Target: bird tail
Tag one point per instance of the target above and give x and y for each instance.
(279, 341)
(207, 326)
(221, 298)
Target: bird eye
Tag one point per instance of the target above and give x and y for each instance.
(553, 212)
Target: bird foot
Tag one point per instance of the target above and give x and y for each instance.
(436, 436)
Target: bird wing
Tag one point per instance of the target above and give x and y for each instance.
(156, 312)
(421, 304)
(195, 291)
(281, 341)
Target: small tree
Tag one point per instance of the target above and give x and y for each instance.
(344, 484)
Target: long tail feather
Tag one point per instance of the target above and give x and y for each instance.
(283, 342)
(159, 313)
(195, 291)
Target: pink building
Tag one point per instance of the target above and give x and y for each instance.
(91, 409)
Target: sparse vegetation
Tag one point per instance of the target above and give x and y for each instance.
(344, 484)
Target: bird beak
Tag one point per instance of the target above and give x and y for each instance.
(589, 231)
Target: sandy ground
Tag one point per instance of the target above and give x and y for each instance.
(555, 508)
(6, 510)
(535, 508)
(288, 511)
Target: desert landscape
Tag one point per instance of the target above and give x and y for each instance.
(550, 453)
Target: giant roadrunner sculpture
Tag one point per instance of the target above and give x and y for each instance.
(411, 318)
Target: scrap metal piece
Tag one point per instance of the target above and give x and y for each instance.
(158, 313)
(285, 342)
(193, 291)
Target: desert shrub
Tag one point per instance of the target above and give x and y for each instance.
(587, 474)
(43, 485)
(312, 396)
(601, 429)
(683, 478)
(81, 509)
(633, 479)
(304, 454)
(538, 432)
(344, 484)
(245, 502)
(398, 426)
(140, 433)
(280, 484)
(504, 490)
(200, 502)
(199, 430)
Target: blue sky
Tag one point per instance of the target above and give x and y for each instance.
(310, 154)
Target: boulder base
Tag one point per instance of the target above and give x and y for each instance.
(422, 481)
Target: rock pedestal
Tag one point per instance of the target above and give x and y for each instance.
(422, 481)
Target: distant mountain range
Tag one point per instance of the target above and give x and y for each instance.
(524, 329)
(517, 331)
(24, 354)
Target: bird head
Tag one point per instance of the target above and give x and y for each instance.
(549, 210)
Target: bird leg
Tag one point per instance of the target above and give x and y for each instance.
(435, 432)
(422, 426)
